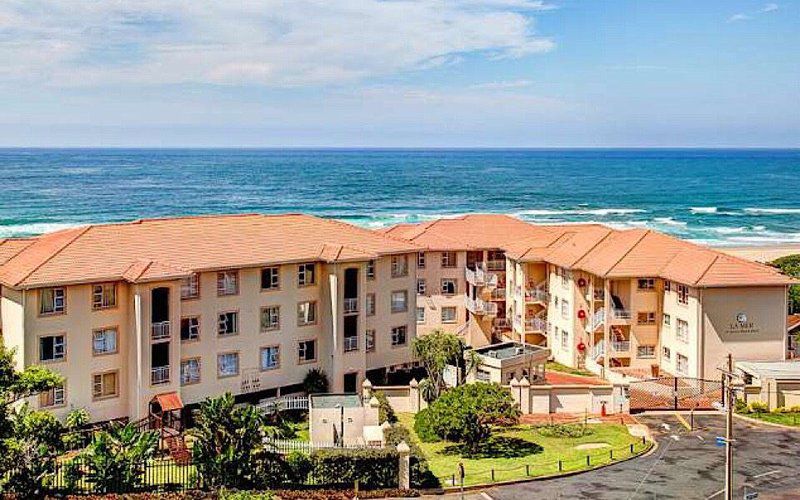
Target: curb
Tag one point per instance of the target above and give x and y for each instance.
(763, 423)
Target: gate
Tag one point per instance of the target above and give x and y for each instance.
(674, 393)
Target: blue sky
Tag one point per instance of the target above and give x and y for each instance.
(400, 73)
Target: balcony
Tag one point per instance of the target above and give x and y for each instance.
(351, 343)
(501, 323)
(621, 346)
(160, 330)
(535, 325)
(536, 295)
(350, 305)
(598, 295)
(480, 307)
(496, 265)
(598, 350)
(621, 314)
(597, 320)
(498, 294)
(159, 375)
(479, 277)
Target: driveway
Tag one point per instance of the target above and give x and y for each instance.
(687, 464)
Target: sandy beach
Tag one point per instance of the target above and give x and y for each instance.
(766, 253)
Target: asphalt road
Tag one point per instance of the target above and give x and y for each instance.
(686, 465)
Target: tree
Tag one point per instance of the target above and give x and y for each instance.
(315, 382)
(466, 414)
(790, 265)
(435, 351)
(228, 446)
(116, 458)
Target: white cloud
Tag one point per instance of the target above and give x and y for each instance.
(739, 17)
(505, 84)
(770, 7)
(261, 42)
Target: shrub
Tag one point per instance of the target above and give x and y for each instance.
(759, 407)
(795, 409)
(372, 468)
(739, 406)
(115, 459)
(315, 382)
(780, 409)
(564, 430)
(423, 426)
(421, 476)
(385, 410)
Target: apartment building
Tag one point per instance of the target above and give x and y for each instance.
(634, 302)
(202, 305)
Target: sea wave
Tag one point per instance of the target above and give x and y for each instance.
(772, 211)
(703, 210)
(669, 221)
(32, 229)
(580, 211)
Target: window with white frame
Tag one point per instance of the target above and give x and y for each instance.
(448, 259)
(399, 335)
(683, 294)
(667, 286)
(370, 304)
(190, 287)
(448, 314)
(420, 287)
(369, 335)
(307, 351)
(52, 347)
(646, 351)
(271, 278)
(228, 364)
(665, 353)
(52, 301)
(306, 274)
(667, 319)
(104, 341)
(646, 318)
(270, 358)
(190, 328)
(564, 339)
(105, 385)
(646, 284)
(227, 283)
(190, 371)
(681, 364)
(57, 396)
(399, 301)
(270, 318)
(682, 330)
(420, 315)
(565, 309)
(228, 323)
(421, 260)
(306, 313)
(370, 269)
(399, 266)
(104, 296)
(449, 286)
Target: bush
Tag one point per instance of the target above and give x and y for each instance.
(315, 382)
(421, 476)
(423, 426)
(780, 409)
(564, 430)
(385, 410)
(739, 406)
(759, 407)
(795, 409)
(372, 468)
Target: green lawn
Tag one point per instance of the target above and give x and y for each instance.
(792, 419)
(301, 431)
(558, 367)
(517, 447)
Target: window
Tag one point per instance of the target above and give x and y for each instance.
(646, 318)
(420, 287)
(306, 313)
(371, 270)
(399, 266)
(681, 364)
(646, 351)
(104, 296)
(190, 328)
(667, 319)
(370, 339)
(52, 348)
(682, 330)
(228, 323)
(228, 364)
(306, 274)
(565, 309)
(449, 286)
(420, 315)
(270, 318)
(104, 341)
(448, 314)
(190, 287)
(307, 351)
(555, 301)
(370, 304)
(646, 284)
(448, 259)
(52, 301)
(270, 358)
(227, 283)
(399, 335)
(399, 301)
(190, 371)
(665, 352)
(104, 385)
(564, 339)
(271, 278)
(667, 286)
(683, 294)
(53, 398)
(421, 260)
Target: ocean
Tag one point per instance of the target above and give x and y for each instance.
(722, 197)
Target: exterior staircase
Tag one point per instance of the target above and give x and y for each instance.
(177, 449)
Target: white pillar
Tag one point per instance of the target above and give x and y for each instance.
(414, 396)
(336, 381)
(137, 393)
(404, 471)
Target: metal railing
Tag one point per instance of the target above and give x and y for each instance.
(622, 314)
(284, 403)
(536, 295)
(480, 307)
(496, 265)
(160, 330)
(535, 325)
(597, 320)
(599, 349)
(621, 345)
(351, 343)
(351, 305)
(159, 375)
(498, 294)
(500, 323)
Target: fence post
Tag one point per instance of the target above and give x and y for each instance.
(492, 474)
(414, 395)
(588, 461)
(611, 454)
(559, 466)
(527, 470)
(404, 470)
(631, 448)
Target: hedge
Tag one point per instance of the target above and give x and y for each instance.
(421, 476)
(372, 468)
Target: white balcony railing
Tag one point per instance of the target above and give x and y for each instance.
(621, 345)
(160, 330)
(536, 295)
(597, 320)
(501, 323)
(622, 314)
(498, 294)
(496, 265)
(480, 277)
(350, 305)
(480, 307)
(535, 325)
(159, 375)
(351, 343)
(599, 349)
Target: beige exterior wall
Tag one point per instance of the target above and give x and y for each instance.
(13, 317)
(669, 338)
(561, 319)
(433, 301)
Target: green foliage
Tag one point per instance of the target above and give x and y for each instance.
(466, 414)
(423, 426)
(115, 459)
(229, 441)
(739, 406)
(435, 351)
(315, 382)
(790, 265)
(385, 410)
(75, 438)
(564, 430)
(225, 494)
(759, 407)
(372, 468)
(421, 476)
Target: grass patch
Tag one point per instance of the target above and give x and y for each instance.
(558, 367)
(539, 448)
(791, 419)
(301, 431)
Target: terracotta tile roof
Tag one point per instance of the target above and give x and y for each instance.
(593, 248)
(155, 249)
(792, 322)
(12, 246)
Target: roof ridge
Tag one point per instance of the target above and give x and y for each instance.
(587, 252)
(646, 232)
(710, 265)
(78, 233)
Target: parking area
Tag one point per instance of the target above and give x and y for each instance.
(687, 464)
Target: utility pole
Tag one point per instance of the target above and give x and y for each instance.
(729, 430)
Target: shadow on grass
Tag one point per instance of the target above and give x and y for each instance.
(496, 447)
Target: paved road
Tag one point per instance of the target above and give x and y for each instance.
(686, 465)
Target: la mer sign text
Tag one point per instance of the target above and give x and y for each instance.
(742, 325)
